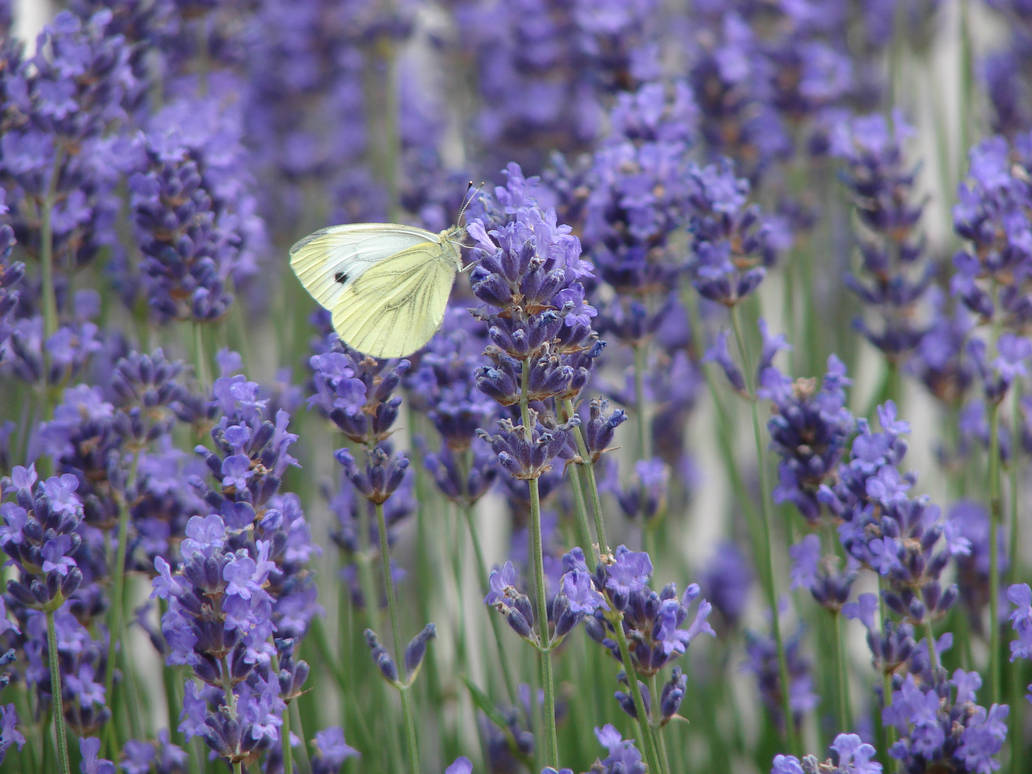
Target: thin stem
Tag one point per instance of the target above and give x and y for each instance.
(589, 473)
(660, 739)
(841, 676)
(767, 551)
(648, 741)
(890, 729)
(641, 403)
(200, 357)
(118, 572)
(503, 662)
(365, 572)
(57, 701)
(295, 722)
(46, 255)
(933, 655)
(411, 741)
(967, 78)
(995, 517)
(288, 753)
(551, 746)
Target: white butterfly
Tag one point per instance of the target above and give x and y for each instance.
(386, 285)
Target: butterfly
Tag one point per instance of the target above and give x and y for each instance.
(385, 285)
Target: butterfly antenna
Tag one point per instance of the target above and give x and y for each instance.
(467, 199)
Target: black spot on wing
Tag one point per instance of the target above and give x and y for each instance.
(340, 277)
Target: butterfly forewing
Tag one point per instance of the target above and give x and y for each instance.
(395, 306)
(329, 260)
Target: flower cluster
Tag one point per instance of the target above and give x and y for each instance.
(656, 624)
(733, 242)
(992, 273)
(763, 663)
(40, 536)
(443, 385)
(892, 280)
(188, 255)
(528, 277)
(808, 429)
(887, 530)
(939, 723)
(563, 57)
(851, 756)
(636, 205)
(219, 623)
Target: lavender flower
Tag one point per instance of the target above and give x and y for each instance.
(652, 622)
(188, 257)
(881, 187)
(808, 431)
(636, 205)
(763, 663)
(89, 748)
(40, 536)
(623, 755)
(940, 722)
(726, 580)
(884, 528)
(528, 277)
(967, 526)
(563, 57)
(331, 751)
(733, 244)
(9, 733)
(851, 756)
(990, 216)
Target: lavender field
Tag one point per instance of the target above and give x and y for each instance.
(720, 461)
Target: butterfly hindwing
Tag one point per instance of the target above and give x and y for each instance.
(329, 260)
(396, 305)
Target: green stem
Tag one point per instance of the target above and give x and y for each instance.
(660, 739)
(411, 740)
(889, 730)
(288, 753)
(841, 675)
(641, 354)
(933, 655)
(370, 595)
(118, 571)
(967, 78)
(57, 702)
(295, 722)
(995, 517)
(551, 745)
(200, 356)
(767, 551)
(496, 630)
(652, 760)
(588, 470)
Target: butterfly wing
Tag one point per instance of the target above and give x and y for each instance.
(329, 260)
(396, 305)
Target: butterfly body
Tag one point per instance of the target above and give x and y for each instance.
(385, 285)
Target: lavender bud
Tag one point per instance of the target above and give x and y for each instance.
(416, 649)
